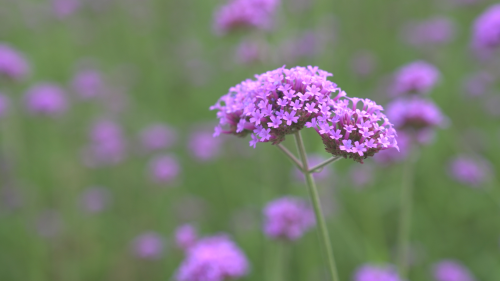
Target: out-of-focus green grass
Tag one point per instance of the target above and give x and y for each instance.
(145, 47)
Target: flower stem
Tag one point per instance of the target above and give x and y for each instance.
(291, 156)
(313, 192)
(323, 164)
(405, 215)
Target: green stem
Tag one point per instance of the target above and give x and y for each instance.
(291, 156)
(405, 215)
(323, 164)
(313, 192)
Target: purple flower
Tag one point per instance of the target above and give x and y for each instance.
(4, 105)
(107, 145)
(46, 99)
(95, 199)
(245, 13)
(249, 52)
(434, 31)
(478, 83)
(164, 169)
(203, 146)
(214, 258)
(185, 236)
(13, 65)
(157, 137)
(486, 29)
(417, 77)
(450, 270)
(471, 171)
(390, 156)
(415, 112)
(371, 272)
(288, 218)
(65, 8)
(148, 245)
(88, 83)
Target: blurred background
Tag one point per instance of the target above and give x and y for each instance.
(106, 143)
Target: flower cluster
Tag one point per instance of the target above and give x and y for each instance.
(486, 30)
(107, 144)
(370, 272)
(245, 13)
(215, 258)
(157, 136)
(470, 171)
(164, 169)
(185, 236)
(88, 83)
(417, 77)
(46, 99)
(415, 113)
(434, 31)
(12, 63)
(449, 270)
(148, 245)
(288, 218)
(283, 101)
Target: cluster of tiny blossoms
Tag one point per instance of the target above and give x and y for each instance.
(283, 101)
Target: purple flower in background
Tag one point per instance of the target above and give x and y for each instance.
(434, 31)
(245, 13)
(88, 83)
(288, 218)
(415, 78)
(478, 83)
(390, 156)
(416, 113)
(185, 236)
(95, 199)
(214, 258)
(471, 171)
(46, 99)
(363, 63)
(157, 137)
(203, 146)
(107, 145)
(164, 169)
(249, 52)
(371, 272)
(65, 8)
(450, 270)
(13, 65)
(148, 245)
(314, 159)
(4, 105)
(486, 29)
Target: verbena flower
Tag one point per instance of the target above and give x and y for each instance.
(288, 218)
(148, 245)
(13, 64)
(65, 8)
(470, 171)
(283, 101)
(450, 270)
(215, 258)
(157, 137)
(107, 144)
(95, 199)
(486, 29)
(415, 113)
(245, 13)
(372, 272)
(433, 31)
(415, 78)
(249, 52)
(391, 156)
(203, 146)
(4, 105)
(88, 83)
(477, 84)
(185, 236)
(46, 99)
(164, 169)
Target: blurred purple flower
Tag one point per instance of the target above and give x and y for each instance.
(13, 64)
(415, 113)
(288, 218)
(390, 156)
(46, 99)
(214, 258)
(148, 245)
(249, 52)
(415, 78)
(95, 199)
(486, 29)
(450, 270)
(157, 137)
(362, 175)
(185, 236)
(314, 159)
(107, 145)
(65, 8)
(372, 272)
(434, 31)
(363, 63)
(478, 83)
(244, 13)
(4, 105)
(88, 83)
(203, 146)
(164, 169)
(471, 171)
(49, 223)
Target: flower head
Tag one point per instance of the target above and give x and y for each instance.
(416, 113)
(371, 272)
(87, 83)
(434, 31)
(148, 245)
(390, 156)
(157, 136)
(13, 65)
(107, 145)
(95, 199)
(214, 258)
(417, 77)
(450, 270)
(470, 171)
(185, 236)
(203, 146)
(46, 99)
(486, 29)
(288, 218)
(164, 169)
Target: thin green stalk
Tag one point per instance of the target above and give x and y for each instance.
(405, 216)
(291, 156)
(323, 164)
(313, 192)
